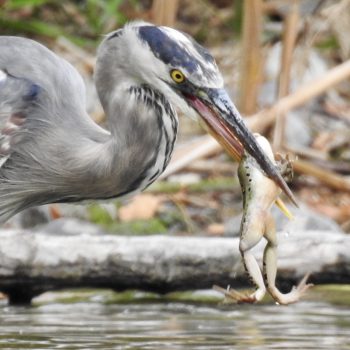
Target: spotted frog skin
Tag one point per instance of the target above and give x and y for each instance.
(259, 194)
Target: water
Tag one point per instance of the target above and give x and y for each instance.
(94, 324)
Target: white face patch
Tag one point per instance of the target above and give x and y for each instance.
(176, 50)
(3, 76)
(176, 35)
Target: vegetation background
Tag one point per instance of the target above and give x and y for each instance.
(266, 50)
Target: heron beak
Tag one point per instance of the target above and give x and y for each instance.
(224, 122)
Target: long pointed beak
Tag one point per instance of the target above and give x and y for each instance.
(225, 123)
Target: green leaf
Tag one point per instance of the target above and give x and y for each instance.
(17, 4)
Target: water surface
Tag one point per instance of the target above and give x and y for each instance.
(96, 323)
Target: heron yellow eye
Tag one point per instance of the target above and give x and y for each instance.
(177, 76)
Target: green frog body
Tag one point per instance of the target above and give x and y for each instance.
(259, 194)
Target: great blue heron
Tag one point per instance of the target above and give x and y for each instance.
(50, 149)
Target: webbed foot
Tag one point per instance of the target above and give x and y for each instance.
(241, 298)
(294, 295)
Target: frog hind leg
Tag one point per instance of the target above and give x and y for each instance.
(270, 270)
(251, 234)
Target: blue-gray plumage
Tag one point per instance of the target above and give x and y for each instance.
(172, 53)
(50, 149)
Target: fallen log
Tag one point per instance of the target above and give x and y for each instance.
(34, 262)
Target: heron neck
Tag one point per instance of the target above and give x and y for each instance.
(143, 128)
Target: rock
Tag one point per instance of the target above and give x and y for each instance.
(38, 216)
(30, 218)
(298, 131)
(305, 219)
(307, 66)
(70, 227)
(232, 226)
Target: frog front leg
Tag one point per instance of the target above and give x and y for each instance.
(252, 232)
(270, 269)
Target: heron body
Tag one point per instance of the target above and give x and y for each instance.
(50, 149)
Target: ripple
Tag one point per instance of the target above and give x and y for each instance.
(159, 325)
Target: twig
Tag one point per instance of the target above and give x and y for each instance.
(327, 177)
(164, 12)
(262, 120)
(211, 166)
(342, 167)
(190, 225)
(209, 146)
(250, 78)
(320, 159)
(306, 152)
(200, 148)
(229, 293)
(289, 40)
(87, 60)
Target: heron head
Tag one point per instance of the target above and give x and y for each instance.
(186, 73)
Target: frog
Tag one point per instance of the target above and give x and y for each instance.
(259, 194)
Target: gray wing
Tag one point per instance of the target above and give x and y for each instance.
(15, 96)
(27, 59)
(43, 124)
(36, 87)
(40, 92)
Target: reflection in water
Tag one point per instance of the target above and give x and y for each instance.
(157, 325)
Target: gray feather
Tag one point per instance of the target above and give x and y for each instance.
(58, 153)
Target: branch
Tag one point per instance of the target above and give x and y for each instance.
(32, 263)
(262, 120)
